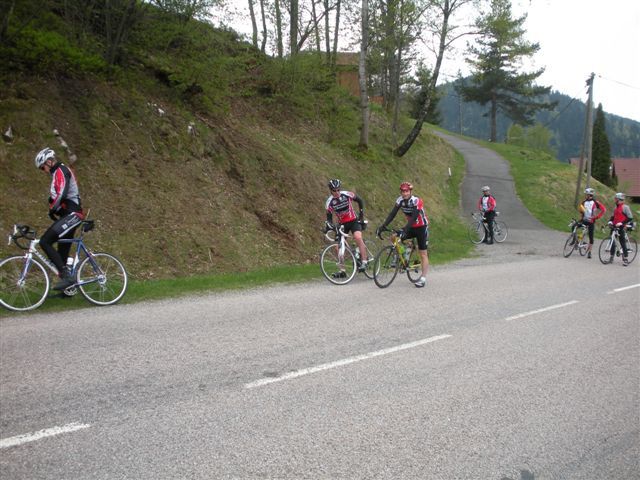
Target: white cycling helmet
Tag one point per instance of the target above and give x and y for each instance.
(44, 155)
(589, 191)
(619, 196)
(486, 188)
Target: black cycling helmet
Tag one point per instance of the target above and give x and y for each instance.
(334, 184)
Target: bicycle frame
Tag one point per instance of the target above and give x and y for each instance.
(403, 256)
(80, 247)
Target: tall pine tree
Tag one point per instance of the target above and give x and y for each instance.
(600, 150)
(495, 59)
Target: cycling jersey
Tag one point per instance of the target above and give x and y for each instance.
(413, 208)
(342, 206)
(64, 195)
(487, 203)
(621, 214)
(590, 207)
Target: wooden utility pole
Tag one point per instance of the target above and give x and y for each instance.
(586, 142)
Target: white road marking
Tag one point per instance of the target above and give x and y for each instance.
(621, 289)
(343, 362)
(545, 309)
(47, 432)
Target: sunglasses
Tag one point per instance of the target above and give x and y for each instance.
(404, 190)
(335, 190)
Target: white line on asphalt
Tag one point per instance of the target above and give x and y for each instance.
(621, 289)
(47, 432)
(345, 361)
(545, 309)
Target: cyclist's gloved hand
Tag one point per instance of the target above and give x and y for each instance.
(402, 234)
(361, 216)
(610, 223)
(330, 226)
(379, 232)
(52, 215)
(619, 224)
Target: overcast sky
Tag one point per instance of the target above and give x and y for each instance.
(576, 37)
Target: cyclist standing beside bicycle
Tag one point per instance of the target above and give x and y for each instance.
(588, 208)
(417, 225)
(340, 203)
(620, 220)
(487, 206)
(64, 208)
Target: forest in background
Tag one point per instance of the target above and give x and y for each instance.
(566, 123)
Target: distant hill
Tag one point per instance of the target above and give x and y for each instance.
(566, 122)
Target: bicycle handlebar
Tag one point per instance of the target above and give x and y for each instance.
(19, 232)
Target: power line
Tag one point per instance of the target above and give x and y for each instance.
(618, 82)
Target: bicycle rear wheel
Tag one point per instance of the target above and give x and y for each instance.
(338, 271)
(21, 293)
(607, 250)
(102, 279)
(569, 245)
(414, 267)
(385, 267)
(476, 232)
(500, 231)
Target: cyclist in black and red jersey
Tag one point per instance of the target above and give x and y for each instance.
(417, 224)
(64, 209)
(487, 206)
(340, 203)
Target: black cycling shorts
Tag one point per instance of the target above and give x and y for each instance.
(421, 234)
(354, 226)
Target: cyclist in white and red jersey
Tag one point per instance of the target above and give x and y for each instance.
(591, 210)
(487, 206)
(417, 224)
(340, 204)
(64, 208)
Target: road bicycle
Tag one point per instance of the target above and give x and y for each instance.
(401, 256)
(340, 261)
(24, 283)
(610, 247)
(478, 230)
(578, 239)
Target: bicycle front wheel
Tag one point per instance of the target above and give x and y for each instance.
(569, 246)
(414, 267)
(607, 250)
(22, 286)
(632, 249)
(102, 279)
(476, 232)
(385, 267)
(338, 270)
(500, 231)
(368, 272)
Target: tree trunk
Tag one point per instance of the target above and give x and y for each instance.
(6, 15)
(264, 27)
(254, 25)
(494, 120)
(334, 56)
(327, 32)
(415, 131)
(279, 29)
(316, 26)
(362, 77)
(293, 29)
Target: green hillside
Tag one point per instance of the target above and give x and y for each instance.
(245, 191)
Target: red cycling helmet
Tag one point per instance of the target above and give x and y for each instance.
(405, 186)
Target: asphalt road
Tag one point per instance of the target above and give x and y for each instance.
(515, 364)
